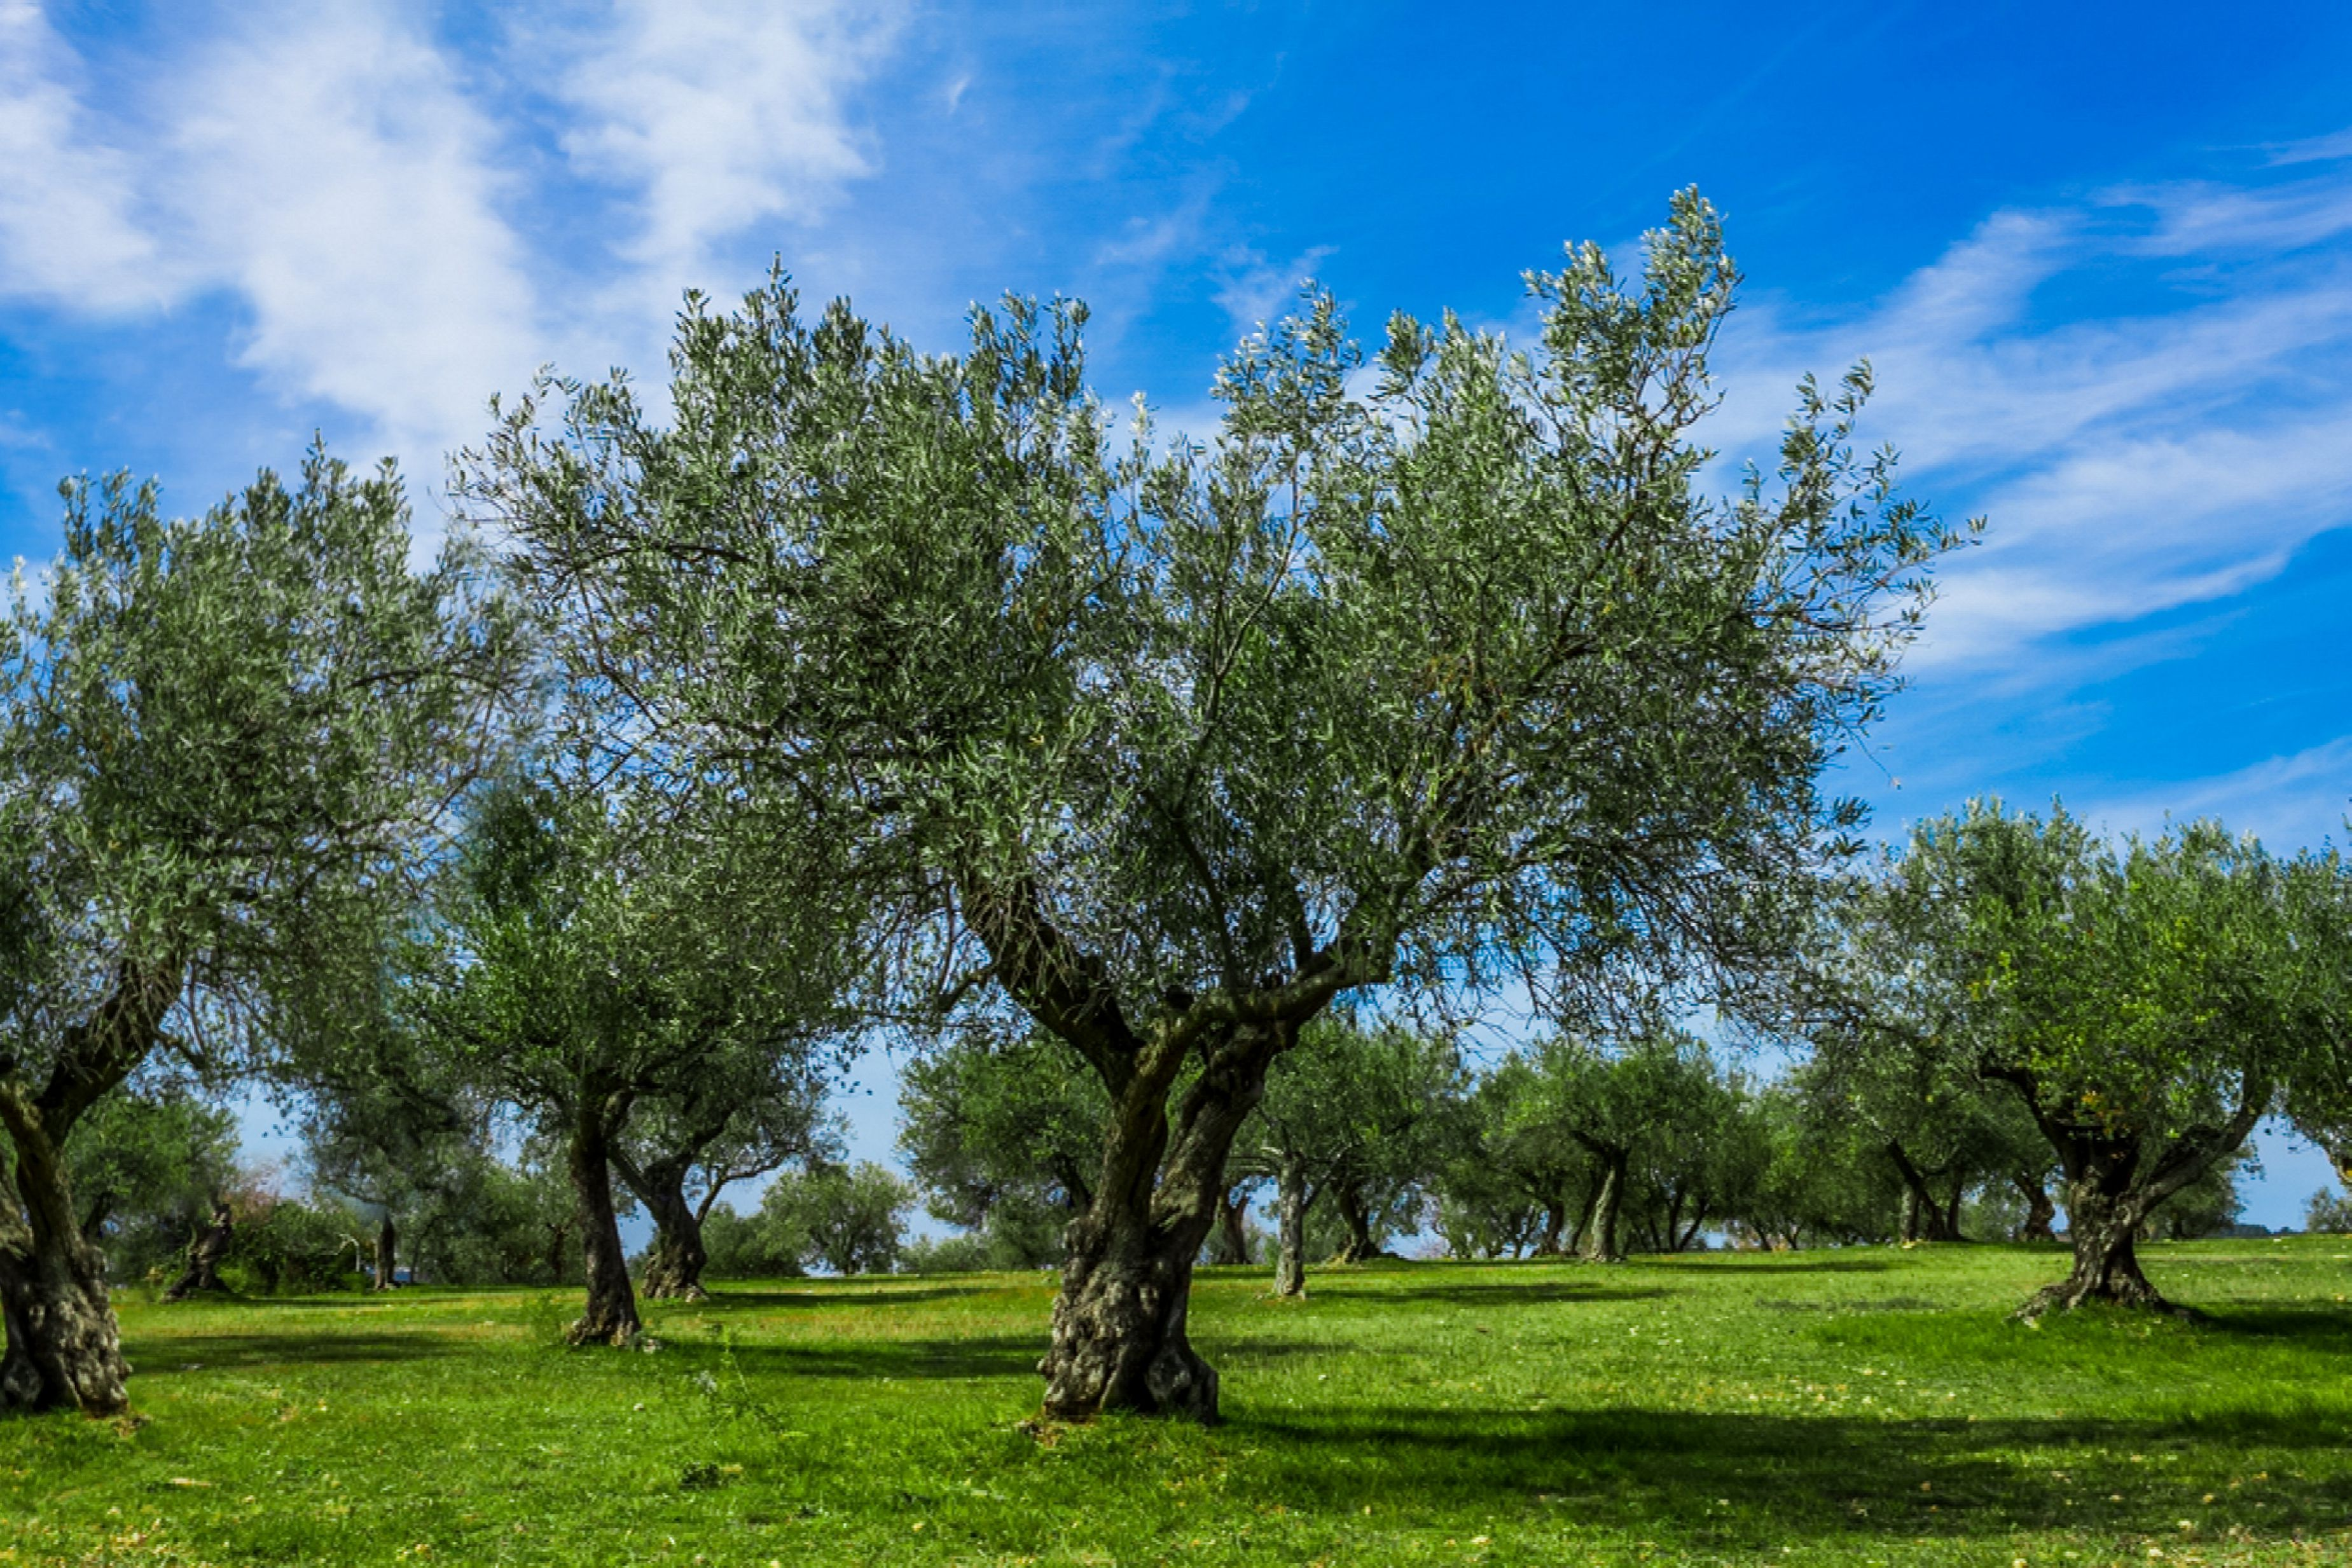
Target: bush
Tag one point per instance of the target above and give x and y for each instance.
(2328, 1213)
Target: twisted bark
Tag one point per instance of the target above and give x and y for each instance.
(1600, 1240)
(610, 1316)
(387, 1252)
(1291, 1198)
(205, 1251)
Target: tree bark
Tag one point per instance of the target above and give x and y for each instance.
(205, 1251)
(1601, 1234)
(2104, 1227)
(2112, 1187)
(1923, 1219)
(2040, 1212)
(1231, 1243)
(1555, 1222)
(1119, 1339)
(1357, 1216)
(387, 1252)
(63, 1351)
(611, 1314)
(674, 1267)
(1291, 1198)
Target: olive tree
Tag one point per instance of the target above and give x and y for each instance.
(1346, 1112)
(753, 1105)
(1418, 679)
(599, 948)
(2147, 1003)
(1003, 1132)
(221, 740)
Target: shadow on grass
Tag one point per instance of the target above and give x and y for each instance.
(1752, 1481)
(723, 1295)
(1496, 1293)
(225, 1351)
(2305, 1327)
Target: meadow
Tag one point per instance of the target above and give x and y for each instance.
(1867, 1405)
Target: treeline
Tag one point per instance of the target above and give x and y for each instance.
(866, 693)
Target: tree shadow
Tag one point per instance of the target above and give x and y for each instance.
(1495, 1293)
(1750, 1482)
(239, 1352)
(723, 1296)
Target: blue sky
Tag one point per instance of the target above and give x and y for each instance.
(2100, 256)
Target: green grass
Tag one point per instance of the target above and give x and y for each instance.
(1847, 1407)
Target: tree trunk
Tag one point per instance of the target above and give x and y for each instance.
(1232, 1244)
(387, 1252)
(1923, 1219)
(2104, 1227)
(1291, 1198)
(1555, 1221)
(63, 1351)
(2041, 1213)
(1356, 1215)
(674, 1267)
(1119, 1323)
(206, 1252)
(611, 1316)
(1601, 1235)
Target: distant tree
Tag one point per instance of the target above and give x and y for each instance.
(145, 1165)
(2210, 1203)
(2147, 1003)
(1513, 1178)
(1650, 1097)
(1347, 1111)
(749, 1110)
(2328, 1213)
(1818, 1184)
(1420, 680)
(850, 1218)
(1004, 1137)
(1943, 1128)
(221, 741)
(595, 950)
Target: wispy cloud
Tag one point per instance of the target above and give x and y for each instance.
(2171, 436)
(1254, 292)
(2285, 801)
(68, 228)
(361, 191)
(719, 114)
(325, 167)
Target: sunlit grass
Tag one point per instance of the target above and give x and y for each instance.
(1866, 1407)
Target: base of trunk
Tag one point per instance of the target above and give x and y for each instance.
(613, 1324)
(63, 1350)
(1119, 1344)
(2106, 1272)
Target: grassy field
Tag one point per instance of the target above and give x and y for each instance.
(1869, 1407)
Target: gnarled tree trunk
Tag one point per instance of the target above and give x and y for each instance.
(1291, 1198)
(387, 1252)
(1601, 1234)
(2040, 1212)
(674, 1266)
(1555, 1226)
(63, 1352)
(2113, 1185)
(1357, 1216)
(1119, 1339)
(206, 1252)
(1231, 1243)
(611, 1314)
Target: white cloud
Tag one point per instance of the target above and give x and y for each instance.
(2171, 436)
(2288, 801)
(324, 165)
(67, 232)
(719, 114)
(1254, 291)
